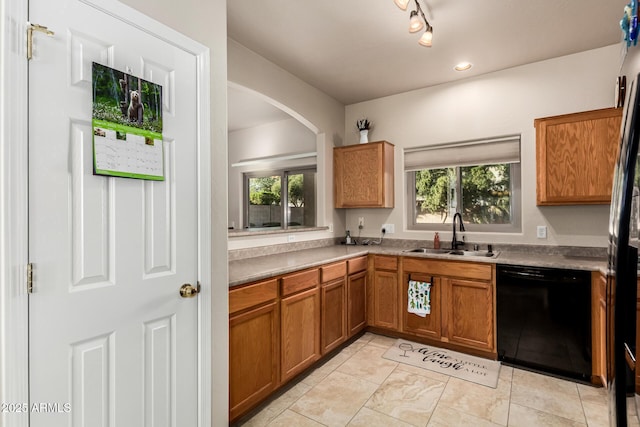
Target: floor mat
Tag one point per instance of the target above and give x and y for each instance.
(469, 368)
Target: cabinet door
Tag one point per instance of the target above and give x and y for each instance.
(357, 302)
(385, 299)
(430, 325)
(363, 175)
(300, 332)
(469, 317)
(253, 357)
(334, 328)
(575, 157)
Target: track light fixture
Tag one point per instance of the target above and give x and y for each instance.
(416, 24)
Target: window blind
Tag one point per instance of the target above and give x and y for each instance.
(503, 149)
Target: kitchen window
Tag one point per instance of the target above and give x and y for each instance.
(282, 199)
(480, 179)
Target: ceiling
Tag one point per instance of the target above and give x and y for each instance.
(357, 50)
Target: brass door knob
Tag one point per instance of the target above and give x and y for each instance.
(189, 291)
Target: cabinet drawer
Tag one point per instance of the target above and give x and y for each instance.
(382, 262)
(333, 271)
(357, 264)
(299, 281)
(461, 269)
(252, 295)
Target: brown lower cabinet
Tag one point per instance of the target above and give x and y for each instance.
(385, 292)
(357, 295)
(299, 330)
(333, 313)
(343, 301)
(469, 310)
(253, 346)
(357, 298)
(281, 326)
(428, 326)
(462, 302)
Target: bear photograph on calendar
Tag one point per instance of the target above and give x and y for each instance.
(127, 125)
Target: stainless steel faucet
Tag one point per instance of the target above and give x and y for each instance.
(454, 242)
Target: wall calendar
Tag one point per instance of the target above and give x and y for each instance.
(127, 125)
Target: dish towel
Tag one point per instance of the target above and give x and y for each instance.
(419, 298)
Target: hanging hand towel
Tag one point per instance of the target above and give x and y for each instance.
(419, 298)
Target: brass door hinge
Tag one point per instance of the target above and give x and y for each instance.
(30, 278)
(30, 29)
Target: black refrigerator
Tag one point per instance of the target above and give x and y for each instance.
(623, 247)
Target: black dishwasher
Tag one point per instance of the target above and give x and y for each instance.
(544, 319)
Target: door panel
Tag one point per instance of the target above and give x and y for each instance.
(109, 333)
(92, 377)
(90, 216)
(160, 370)
(159, 223)
(470, 313)
(430, 325)
(357, 303)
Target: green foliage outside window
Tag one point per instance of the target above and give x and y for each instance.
(433, 191)
(484, 194)
(296, 190)
(264, 190)
(267, 190)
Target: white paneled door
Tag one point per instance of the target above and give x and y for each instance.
(112, 342)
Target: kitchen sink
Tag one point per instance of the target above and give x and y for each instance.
(482, 254)
(429, 251)
(474, 253)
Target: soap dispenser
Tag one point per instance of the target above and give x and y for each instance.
(436, 241)
(348, 238)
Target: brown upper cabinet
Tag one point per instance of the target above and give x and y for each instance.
(363, 175)
(575, 157)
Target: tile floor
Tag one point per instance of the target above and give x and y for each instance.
(357, 387)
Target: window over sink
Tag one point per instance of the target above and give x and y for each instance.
(479, 178)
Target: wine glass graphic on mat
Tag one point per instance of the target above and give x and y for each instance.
(405, 346)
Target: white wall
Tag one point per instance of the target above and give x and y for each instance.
(278, 138)
(307, 104)
(499, 103)
(206, 22)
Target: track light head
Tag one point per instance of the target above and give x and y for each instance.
(415, 24)
(402, 4)
(427, 37)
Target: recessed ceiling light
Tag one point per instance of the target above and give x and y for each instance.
(463, 66)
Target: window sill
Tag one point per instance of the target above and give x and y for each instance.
(267, 231)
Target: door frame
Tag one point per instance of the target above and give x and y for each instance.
(14, 174)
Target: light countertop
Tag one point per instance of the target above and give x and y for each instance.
(262, 267)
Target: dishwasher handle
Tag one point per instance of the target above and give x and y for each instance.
(522, 274)
(539, 275)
